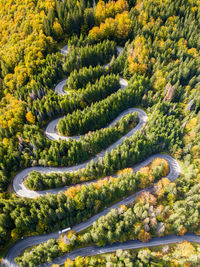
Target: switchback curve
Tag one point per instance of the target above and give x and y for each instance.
(51, 132)
(132, 244)
(19, 186)
(174, 173)
(21, 190)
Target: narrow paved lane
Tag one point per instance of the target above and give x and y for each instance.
(174, 173)
(133, 244)
(59, 89)
(22, 191)
(20, 188)
(51, 132)
(60, 86)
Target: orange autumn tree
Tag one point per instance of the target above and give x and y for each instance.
(144, 236)
(72, 191)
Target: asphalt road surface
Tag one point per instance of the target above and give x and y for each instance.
(51, 132)
(132, 244)
(174, 172)
(21, 190)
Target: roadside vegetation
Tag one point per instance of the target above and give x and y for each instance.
(173, 254)
(160, 61)
(109, 190)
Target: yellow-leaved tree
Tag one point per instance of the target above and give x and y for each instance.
(138, 56)
(111, 9)
(118, 27)
(57, 28)
(30, 118)
(12, 113)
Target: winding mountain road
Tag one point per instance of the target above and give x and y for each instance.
(94, 250)
(51, 132)
(61, 85)
(132, 244)
(174, 172)
(21, 190)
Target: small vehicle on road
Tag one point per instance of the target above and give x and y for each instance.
(64, 230)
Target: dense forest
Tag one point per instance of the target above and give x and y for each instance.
(155, 46)
(126, 182)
